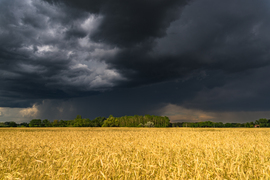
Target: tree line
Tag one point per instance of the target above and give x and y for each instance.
(137, 121)
(130, 121)
(263, 122)
(125, 121)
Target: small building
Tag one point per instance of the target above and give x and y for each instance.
(257, 126)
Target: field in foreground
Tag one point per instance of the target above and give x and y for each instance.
(134, 153)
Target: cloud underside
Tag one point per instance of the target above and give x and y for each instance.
(67, 110)
(201, 55)
(182, 114)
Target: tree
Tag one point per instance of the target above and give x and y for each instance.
(3, 124)
(62, 123)
(98, 121)
(228, 125)
(35, 123)
(251, 124)
(46, 123)
(55, 123)
(111, 122)
(24, 124)
(12, 124)
(201, 124)
(166, 122)
(262, 122)
(219, 124)
(79, 122)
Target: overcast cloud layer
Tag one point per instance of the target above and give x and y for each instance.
(190, 60)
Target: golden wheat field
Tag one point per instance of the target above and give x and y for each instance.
(134, 153)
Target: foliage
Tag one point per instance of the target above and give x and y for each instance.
(3, 125)
(24, 124)
(111, 122)
(46, 123)
(35, 123)
(261, 122)
(136, 121)
(77, 122)
(149, 124)
(12, 124)
(130, 121)
(140, 125)
(98, 122)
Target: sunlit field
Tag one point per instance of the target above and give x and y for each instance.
(134, 153)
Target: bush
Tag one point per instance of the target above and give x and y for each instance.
(140, 125)
(149, 124)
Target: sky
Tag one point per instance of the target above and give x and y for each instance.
(189, 60)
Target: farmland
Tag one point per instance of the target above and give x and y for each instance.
(134, 153)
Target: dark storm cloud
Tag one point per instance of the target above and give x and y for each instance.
(42, 55)
(134, 26)
(223, 44)
(205, 55)
(228, 36)
(128, 23)
(230, 42)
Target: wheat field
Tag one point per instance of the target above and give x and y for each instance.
(134, 153)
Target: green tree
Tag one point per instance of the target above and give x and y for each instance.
(219, 124)
(12, 124)
(111, 122)
(98, 121)
(46, 123)
(62, 123)
(24, 124)
(262, 122)
(3, 124)
(55, 123)
(166, 121)
(228, 125)
(35, 123)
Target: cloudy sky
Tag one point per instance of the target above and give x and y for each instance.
(189, 60)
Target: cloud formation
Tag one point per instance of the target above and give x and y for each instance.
(134, 57)
(182, 114)
(30, 112)
(46, 53)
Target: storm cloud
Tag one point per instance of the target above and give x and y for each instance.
(135, 57)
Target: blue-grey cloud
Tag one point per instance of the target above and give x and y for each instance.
(134, 57)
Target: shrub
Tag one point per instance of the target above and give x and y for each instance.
(149, 124)
(140, 125)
